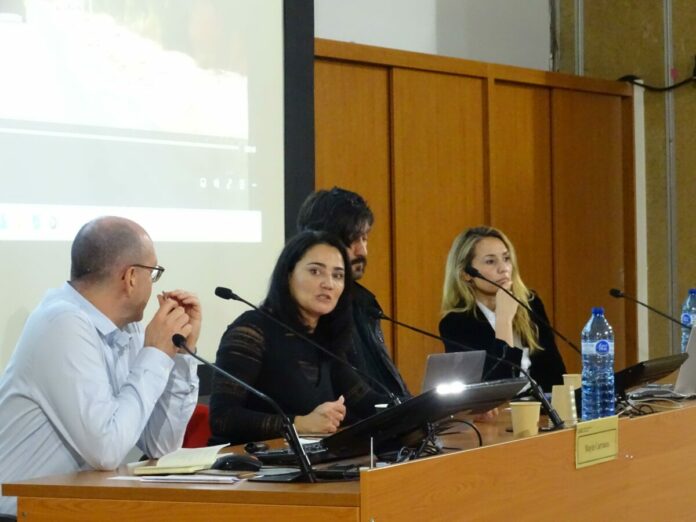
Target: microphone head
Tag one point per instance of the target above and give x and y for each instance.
(225, 293)
(615, 292)
(470, 270)
(179, 340)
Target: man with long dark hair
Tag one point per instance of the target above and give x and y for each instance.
(347, 215)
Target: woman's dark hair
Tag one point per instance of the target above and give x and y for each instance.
(333, 328)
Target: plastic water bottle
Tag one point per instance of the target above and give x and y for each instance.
(688, 317)
(597, 367)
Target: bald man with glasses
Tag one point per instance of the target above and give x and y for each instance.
(86, 382)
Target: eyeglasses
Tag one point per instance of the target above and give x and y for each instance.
(156, 271)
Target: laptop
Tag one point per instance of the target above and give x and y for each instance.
(686, 379)
(403, 425)
(466, 367)
(684, 388)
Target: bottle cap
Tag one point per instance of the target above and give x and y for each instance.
(597, 310)
(692, 291)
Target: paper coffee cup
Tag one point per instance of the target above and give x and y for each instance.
(574, 379)
(525, 418)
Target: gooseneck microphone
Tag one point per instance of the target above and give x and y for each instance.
(535, 388)
(470, 270)
(289, 431)
(615, 292)
(226, 293)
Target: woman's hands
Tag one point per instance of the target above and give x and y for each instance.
(325, 418)
(487, 416)
(505, 310)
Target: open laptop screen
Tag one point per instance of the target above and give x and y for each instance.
(465, 367)
(686, 380)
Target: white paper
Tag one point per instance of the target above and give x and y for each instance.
(199, 479)
(308, 439)
(210, 479)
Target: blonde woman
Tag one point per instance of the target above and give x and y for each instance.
(480, 315)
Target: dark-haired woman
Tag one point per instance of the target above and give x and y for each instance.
(307, 292)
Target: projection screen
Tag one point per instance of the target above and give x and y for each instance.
(169, 113)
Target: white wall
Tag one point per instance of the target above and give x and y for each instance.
(513, 32)
(409, 25)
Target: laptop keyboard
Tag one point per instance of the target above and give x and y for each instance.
(665, 391)
(316, 452)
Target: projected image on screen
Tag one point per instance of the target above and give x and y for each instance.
(137, 108)
(167, 112)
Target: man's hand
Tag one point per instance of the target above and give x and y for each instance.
(192, 306)
(168, 320)
(325, 418)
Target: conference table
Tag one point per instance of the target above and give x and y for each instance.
(527, 479)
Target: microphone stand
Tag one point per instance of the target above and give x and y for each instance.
(226, 293)
(615, 292)
(470, 270)
(289, 431)
(535, 388)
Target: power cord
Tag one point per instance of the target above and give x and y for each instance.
(454, 420)
(630, 78)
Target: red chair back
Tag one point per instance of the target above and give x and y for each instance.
(198, 430)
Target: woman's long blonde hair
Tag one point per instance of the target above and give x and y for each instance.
(458, 294)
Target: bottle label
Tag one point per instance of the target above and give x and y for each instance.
(602, 347)
(686, 319)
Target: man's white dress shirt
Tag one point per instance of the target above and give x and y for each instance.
(79, 393)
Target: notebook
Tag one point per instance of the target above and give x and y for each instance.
(181, 461)
(466, 367)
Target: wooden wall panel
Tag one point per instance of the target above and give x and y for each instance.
(467, 143)
(628, 37)
(503, 482)
(438, 191)
(588, 215)
(630, 263)
(91, 510)
(520, 179)
(352, 151)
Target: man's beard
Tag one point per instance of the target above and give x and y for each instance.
(358, 266)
